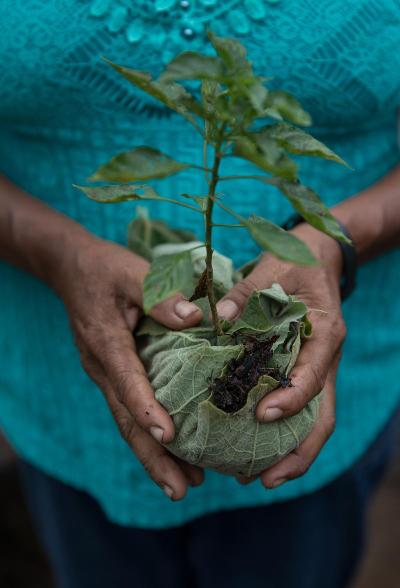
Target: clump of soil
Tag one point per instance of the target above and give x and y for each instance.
(229, 392)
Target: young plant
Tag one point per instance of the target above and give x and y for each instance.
(232, 102)
(211, 377)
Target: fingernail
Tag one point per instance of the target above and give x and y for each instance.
(168, 491)
(157, 433)
(184, 309)
(272, 414)
(227, 309)
(279, 482)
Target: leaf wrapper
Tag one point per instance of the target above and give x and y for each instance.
(181, 366)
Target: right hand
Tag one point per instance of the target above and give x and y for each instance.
(100, 284)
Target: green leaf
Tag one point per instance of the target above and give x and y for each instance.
(311, 208)
(210, 93)
(287, 107)
(139, 234)
(299, 142)
(141, 163)
(269, 309)
(266, 154)
(232, 54)
(168, 275)
(258, 95)
(210, 90)
(278, 241)
(175, 96)
(191, 65)
(120, 193)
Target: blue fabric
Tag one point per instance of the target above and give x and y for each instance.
(63, 112)
(309, 542)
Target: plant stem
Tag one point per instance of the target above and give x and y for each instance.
(208, 241)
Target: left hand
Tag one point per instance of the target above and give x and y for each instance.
(316, 366)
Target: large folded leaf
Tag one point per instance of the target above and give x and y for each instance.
(141, 163)
(181, 366)
(311, 208)
(299, 142)
(278, 241)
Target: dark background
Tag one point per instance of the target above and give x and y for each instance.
(22, 565)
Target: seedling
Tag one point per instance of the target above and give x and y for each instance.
(237, 116)
(210, 377)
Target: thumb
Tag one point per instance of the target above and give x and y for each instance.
(176, 313)
(232, 304)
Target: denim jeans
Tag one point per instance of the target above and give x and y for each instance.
(313, 541)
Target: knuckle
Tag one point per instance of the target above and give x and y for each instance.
(121, 385)
(299, 400)
(339, 329)
(94, 338)
(127, 428)
(125, 382)
(244, 288)
(311, 382)
(316, 377)
(155, 464)
(91, 368)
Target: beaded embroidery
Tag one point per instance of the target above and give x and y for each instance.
(177, 19)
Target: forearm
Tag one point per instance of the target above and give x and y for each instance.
(372, 217)
(33, 236)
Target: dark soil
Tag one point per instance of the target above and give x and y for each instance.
(230, 391)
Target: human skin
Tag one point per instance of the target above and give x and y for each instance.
(101, 282)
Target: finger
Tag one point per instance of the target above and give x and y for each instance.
(232, 304)
(115, 353)
(309, 374)
(160, 465)
(245, 480)
(298, 462)
(194, 474)
(176, 313)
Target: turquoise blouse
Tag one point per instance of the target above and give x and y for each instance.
(63, 111)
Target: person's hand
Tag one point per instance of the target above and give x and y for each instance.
(317, 363)
(100, 284)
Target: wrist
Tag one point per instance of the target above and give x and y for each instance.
(365, 225)
(325, 248)
(63, 264)
(33, 236)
